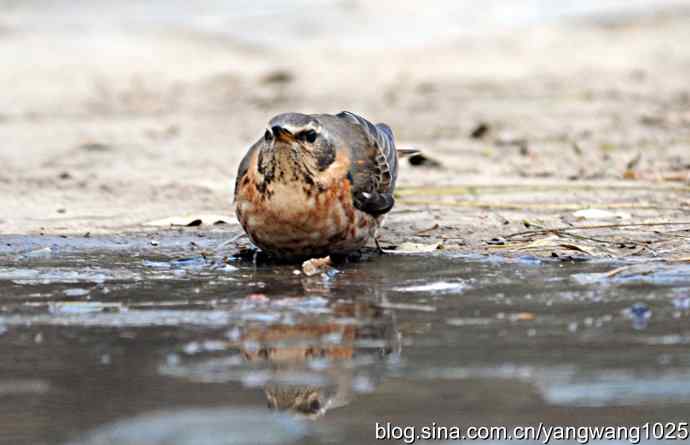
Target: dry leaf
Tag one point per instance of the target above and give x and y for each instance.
(316, 266)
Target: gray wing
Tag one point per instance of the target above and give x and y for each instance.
(374, 169)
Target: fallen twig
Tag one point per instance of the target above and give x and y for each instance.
(614, 272)
(471, 189)
(557, 230)
(532, 206)
(599, 240)
(407, 307)
(678, 260)
(427, 230)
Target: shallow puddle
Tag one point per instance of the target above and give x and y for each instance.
(102, 347)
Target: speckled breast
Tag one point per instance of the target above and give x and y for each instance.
(291, 219)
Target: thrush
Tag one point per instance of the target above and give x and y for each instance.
(317, 184)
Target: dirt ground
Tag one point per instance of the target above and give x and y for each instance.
(103, 132)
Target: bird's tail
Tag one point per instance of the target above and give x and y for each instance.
(405, 152)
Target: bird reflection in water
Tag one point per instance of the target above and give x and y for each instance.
(349, 349)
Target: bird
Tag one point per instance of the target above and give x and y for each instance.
(317, 184)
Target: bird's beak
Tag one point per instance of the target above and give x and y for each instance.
(281, 134)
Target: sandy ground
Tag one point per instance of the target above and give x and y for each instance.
(102, 132)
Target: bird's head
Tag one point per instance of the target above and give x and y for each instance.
(295, 141)
(292, 130)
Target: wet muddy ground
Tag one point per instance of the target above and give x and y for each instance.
(134, 342)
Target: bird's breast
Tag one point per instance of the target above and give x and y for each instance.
(302, 216)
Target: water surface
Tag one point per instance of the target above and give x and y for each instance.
(118, 347)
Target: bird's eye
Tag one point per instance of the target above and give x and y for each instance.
(314, 405)
(309, 136)
(268, 136)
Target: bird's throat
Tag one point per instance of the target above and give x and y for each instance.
(284, 165)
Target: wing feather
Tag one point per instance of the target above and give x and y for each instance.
(375, 166)
(380, 136)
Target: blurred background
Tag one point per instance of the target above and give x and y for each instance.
(115, 113)
(321, 23)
